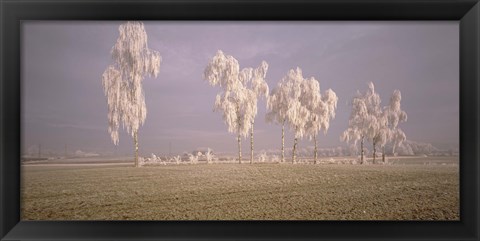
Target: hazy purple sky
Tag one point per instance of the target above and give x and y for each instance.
(63, 100)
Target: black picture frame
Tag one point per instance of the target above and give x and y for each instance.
(13, 12)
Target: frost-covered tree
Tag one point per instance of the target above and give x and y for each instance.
(377, 126)
(238, 100)
(177, 159)
(122, 81)
(257, 87)
(297, 115)
(322, 109)
(395, 115)
(356, 131)
(277, 107)
(263, 157)
(381, 136)
(363, 123)
(378, 134)
(194, 158)
(209, 155)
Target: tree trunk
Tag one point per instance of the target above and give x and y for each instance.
(283, 141)
(135, 140)
(374, 152)
(294, 148)
(383, 154)
(239, 137)
(393, 149)
(251, 145)
(239, 149)
(315, 152)
(361, 147)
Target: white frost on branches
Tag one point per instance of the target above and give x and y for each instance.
(322, 109)
(299, 102)
(369, 121)
(262, 157)
(395, 115)
(177, 159)
(122, 81)
(277, 104)
(258, 88)
(209, 156)
(377, 131)
(241, 89)
(277, 108)
(194, 158)
(363, 123)
(297, 114)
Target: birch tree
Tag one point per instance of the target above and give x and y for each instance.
(297, 114)
(257, 87)
(376, 125)
(362, 120)
(240, 89)
(209, 156)
(395, 115)
(312, 100)
(277, 107)
(122, 81)
(322, 110)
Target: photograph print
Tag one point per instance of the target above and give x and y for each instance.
(219, 120)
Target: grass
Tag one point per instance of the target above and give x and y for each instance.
(241, 192)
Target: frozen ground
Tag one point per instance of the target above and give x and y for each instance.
(418, 191)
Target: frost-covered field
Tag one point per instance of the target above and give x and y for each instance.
(415, 188)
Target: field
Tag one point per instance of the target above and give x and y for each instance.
(410, 189)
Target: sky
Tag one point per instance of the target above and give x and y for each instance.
(63, 104)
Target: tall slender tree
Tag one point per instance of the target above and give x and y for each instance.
(277, 106)
(297, 114)
(237, 102)
(322, 110)
(257, 88)
(395, 115)
(363, 122)
(312, 99)
(122, 81)
(376, 130)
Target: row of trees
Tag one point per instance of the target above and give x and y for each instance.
(296, 102)
(370, 122)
